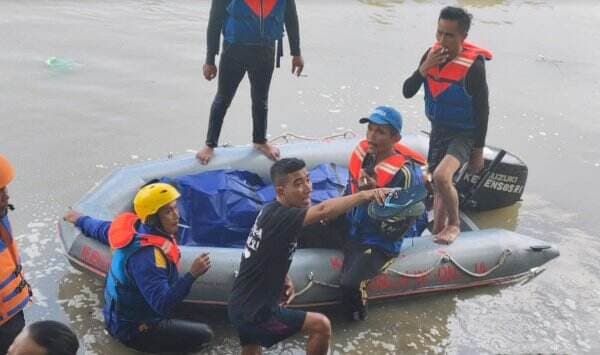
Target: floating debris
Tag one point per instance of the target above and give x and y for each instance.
(61, 64)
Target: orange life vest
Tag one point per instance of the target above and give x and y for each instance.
(15, 292)
(122, 232)
(456, 70)
(386, 169)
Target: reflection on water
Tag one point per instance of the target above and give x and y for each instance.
(381, 3)
(387, 15)
(550, 314)
(480, 3)
(81, 296)
(507, 218)
(462, 3)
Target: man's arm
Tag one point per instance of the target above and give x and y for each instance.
(150, 274)
(476, 85)
(334, 207)
(218, 11)
(292, 27)
(93, 228)
(413, 83)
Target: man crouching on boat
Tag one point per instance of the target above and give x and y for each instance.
(378, 161)
(143, 285)
(262, 288)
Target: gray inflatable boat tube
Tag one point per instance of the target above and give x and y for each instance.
(476, 258)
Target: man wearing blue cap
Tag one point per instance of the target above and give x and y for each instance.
(378, 161)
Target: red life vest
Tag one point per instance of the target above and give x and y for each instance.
(15, 292)
(122, 232)
(261, 8)
(386, 169)
(456, 70)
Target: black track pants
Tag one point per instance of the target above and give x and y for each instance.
(235, 61)
(173, 335)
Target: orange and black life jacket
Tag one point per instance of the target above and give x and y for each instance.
(386, 169)
(15, 292)
(446, 99)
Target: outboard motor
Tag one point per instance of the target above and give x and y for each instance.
(500, 184)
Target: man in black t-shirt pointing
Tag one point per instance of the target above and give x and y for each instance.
(263, 289)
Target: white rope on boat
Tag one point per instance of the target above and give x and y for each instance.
(501, 261)
(443, 259)
(311, 281)
(326, 284)
(310, 277)
(446, 258)
(288, 135)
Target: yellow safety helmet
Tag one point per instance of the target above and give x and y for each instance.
(7, 172)
(152, 197)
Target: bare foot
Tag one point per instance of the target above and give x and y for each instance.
(270, 151)
(437, 227)
(447, 235)
(205, 155)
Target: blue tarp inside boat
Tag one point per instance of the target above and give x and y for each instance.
(220, 206)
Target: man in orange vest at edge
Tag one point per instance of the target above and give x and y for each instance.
(15, 292)
(456, 104)
(378, 161)
(144, 284)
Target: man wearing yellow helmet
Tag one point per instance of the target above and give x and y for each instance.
(143, 285)
(15, 292)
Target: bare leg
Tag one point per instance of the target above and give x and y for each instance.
(205, 155)
(440, 217)
(442, 178)
(251, 350)
(318, 329)
(270, 151)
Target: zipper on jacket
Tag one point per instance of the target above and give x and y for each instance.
(261, 21)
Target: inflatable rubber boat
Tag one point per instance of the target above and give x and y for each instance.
(476, 258)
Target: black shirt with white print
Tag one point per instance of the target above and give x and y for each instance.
(266, 260)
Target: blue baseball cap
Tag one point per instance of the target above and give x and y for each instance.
(385, 115)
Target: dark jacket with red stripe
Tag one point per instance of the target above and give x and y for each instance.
(252, 22)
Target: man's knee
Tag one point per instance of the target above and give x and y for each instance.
(324, 326)
(317, 324)
(204, 333)
(223, 101)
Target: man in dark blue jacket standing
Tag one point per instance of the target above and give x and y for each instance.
(143, 285)
(250, 30)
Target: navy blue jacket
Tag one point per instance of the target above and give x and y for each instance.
(160, 285)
